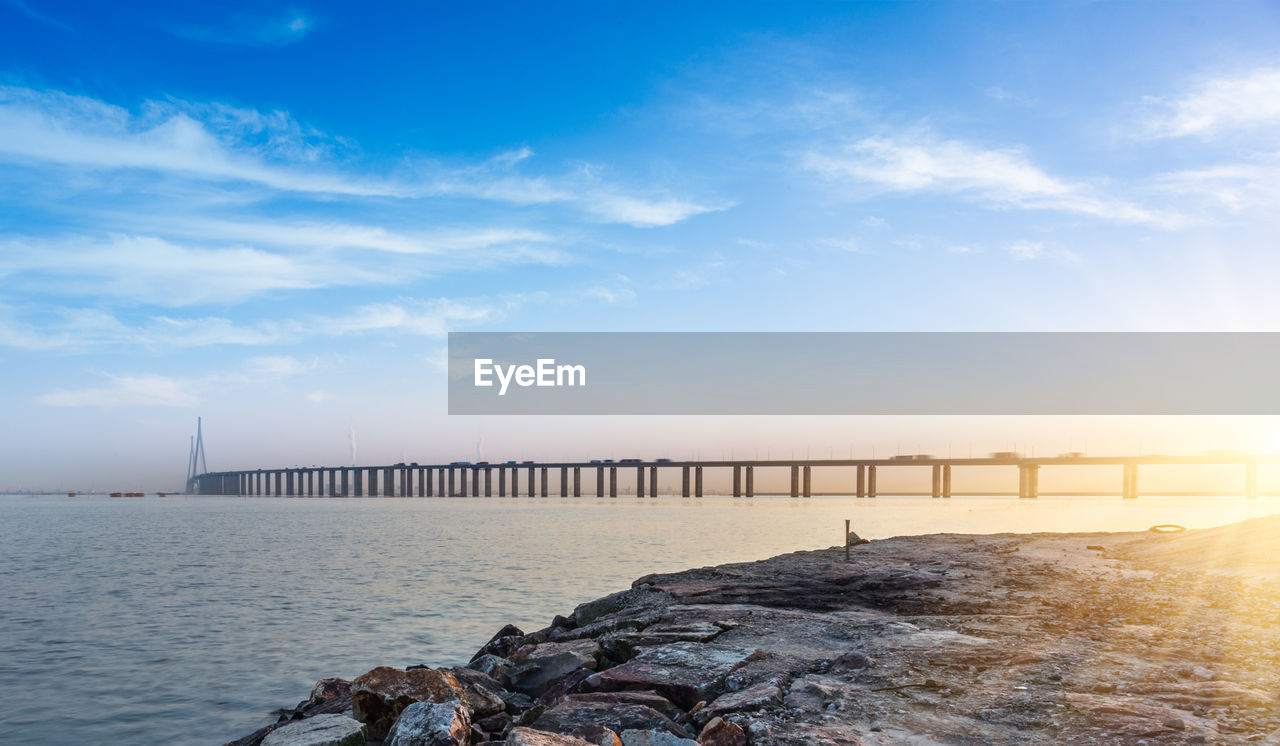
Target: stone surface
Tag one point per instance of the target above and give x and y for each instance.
(721, 732)
(586, 719)
(647, 698)
(536, 667)
(532, 737)
(330, 688)
(491, 665)
(752, 698)
(321, 730)
(654, 738)
(503, 642)
(685, 673)
(379, 696)
(431, 724)
(481, 693)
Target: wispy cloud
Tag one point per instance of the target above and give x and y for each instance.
(1001, 178)
(34, 15)
(253, 31)
(218, 143)
(1218, 106)
(1235, 187)
(143, 390)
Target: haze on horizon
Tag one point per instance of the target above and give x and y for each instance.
(271, 214)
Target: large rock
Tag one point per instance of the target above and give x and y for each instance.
(588, 719)
(321, 730)
(331, 688)
(684, 672)
(379, 696)
(491, 665)
(535, 667)
(654, 738)
(752, 698)
(721, 732)
(531, 737)
(431, 724)
(646, 698)
(482, 694)
(506, 640)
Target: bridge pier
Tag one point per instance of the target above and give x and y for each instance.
(684, 481)
(599, 481)
(653, 481)
(577, 481)
(808, 481)
(564, 481)
(1251, 480)
(543, 476)
(871, 481)
(613, 481)
(936, 490)
(737, 481)
(639, 481)
(1129, 482)
(502, 481)
(751, 481)
(861, 481)
(697, 481)
(795, 481)
(946, 482)
(1028, 481)
(453, 486)
(488, 482)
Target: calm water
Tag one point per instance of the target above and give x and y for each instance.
(186, 620)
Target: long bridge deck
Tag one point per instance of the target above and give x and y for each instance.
(461, 479)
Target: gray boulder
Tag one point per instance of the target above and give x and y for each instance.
(321, 730)
(431, 724)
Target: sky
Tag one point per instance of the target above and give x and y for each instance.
(270, 215)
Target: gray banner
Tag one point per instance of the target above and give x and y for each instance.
(863, 373)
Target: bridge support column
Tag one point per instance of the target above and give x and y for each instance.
(808, 481)
(1129, 489)
(357, 486)
(697, 481)
(311, 483)
(453, 491)
(795, 481)
(424, 482)
(289, 483)
(441, 489)
(389, 479)
(946, 482)
(599, 481)
(502, 481)
(613, 481)
(1028, 481)
(737, 481)
(564, 481)
(488, 482)
(862, 481)
(346, 483)
(936, 490)
(751, 481)
(653, 481)
(533, 489)
(684, 481)
(871, 481)
(639, 481)
(1251, 480)
(577, 481)
(406, 481)
(543, 476)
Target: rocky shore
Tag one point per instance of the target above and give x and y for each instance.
(1121, 638)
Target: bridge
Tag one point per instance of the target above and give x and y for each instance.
(466, 479)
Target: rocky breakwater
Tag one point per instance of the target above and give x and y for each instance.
(1125, 638)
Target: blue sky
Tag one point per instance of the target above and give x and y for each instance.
(271, 214)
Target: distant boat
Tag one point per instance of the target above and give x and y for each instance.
(117, 494)
(135, 494)
(71, 494)
(161, 494)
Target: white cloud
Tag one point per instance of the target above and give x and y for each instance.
(1025, 250)
(277, 366)
(430, 318)
(1002, 178)
(1234, 187)
(143, 390)
(1214, 107)
(152, 270)
(317, 397)
(222, 144)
